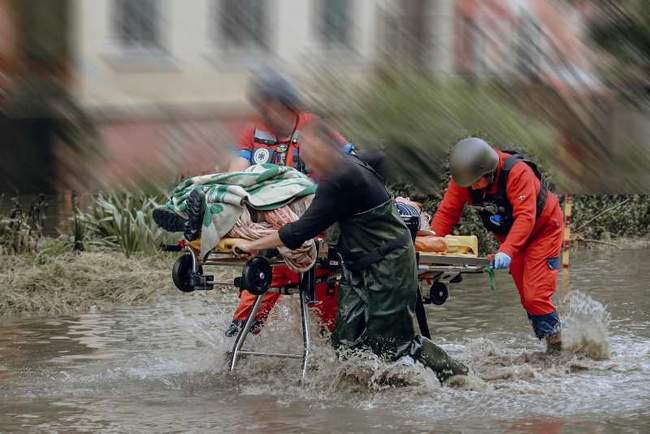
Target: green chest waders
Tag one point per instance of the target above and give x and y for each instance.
(379, 288)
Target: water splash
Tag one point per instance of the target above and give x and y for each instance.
(585, 326)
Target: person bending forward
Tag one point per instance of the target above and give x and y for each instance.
(379, 279)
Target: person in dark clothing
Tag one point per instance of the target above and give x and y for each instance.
(352, 189)
(379, 271)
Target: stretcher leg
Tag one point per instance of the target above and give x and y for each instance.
(243, 333)
(306, 337)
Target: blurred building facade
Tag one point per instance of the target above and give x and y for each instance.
(165, 80)
(171, 75)
(146, 53)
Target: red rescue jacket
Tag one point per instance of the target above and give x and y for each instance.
(521, 189)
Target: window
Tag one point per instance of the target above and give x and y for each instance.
(137, 24)
(334, 22)
(242, 24)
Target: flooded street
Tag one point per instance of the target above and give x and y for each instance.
(161, 367)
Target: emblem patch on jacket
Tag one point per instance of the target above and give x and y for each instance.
(261, 156)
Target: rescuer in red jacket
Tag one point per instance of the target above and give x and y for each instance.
(276, 140)
(514, 203)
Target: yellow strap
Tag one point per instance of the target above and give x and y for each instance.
(462, 244)
(226, 244)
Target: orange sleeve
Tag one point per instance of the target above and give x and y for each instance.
(522, 193)
(450, 210)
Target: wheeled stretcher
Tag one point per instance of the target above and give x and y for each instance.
(437, 270)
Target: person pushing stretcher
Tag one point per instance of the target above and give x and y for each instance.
(379, 272)
(515, 204)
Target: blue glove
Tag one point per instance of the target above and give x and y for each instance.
(501, 261)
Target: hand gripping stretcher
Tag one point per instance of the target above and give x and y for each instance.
(437, 270)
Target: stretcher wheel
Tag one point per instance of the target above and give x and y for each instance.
(457, 279)
(256, 277)
(439, 293)
(182, 273)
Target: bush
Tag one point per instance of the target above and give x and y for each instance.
(602, 217)
(122, 221)
(21, 230)
(416, 120)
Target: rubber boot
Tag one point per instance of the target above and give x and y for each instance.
(435, 358)
(195, 210)
(168, 220)
(554, 344)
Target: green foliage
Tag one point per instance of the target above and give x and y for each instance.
(21, 230)
(122, 221)
(621, 30)
(601, 217)
(415, 120)
(594, 217)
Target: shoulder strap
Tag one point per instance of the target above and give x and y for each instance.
(475, 195)
(360, 261)
(508, 164)
(542, 194)
(523, 157)
(295, 138)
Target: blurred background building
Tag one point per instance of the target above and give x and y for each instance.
(160, 84)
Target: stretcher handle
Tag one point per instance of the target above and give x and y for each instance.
(491, 279)
(171, 247)
(490, 272)
(268, 253)
(239, 252)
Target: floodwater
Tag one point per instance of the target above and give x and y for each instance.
(161, 367)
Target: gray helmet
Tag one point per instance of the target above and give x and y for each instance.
(470, 159)
(268, 84)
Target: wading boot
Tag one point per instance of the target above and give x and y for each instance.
(435, 358)
(168, 220)
(554, 344)
(195, 209)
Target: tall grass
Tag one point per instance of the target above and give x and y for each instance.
(67, 282)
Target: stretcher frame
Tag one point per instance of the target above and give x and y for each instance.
(447, 268)
(439, 268)
(305, 290)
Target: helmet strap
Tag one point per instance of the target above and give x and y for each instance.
(295, 126)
